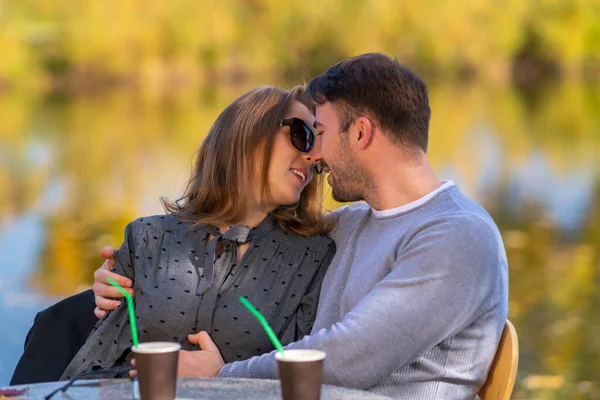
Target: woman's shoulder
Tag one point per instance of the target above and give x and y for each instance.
(163, 222)
(301, 242)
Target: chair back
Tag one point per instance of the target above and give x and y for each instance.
(500, 381)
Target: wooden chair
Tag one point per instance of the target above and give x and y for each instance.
(503, 372)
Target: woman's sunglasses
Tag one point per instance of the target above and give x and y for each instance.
(302, 137)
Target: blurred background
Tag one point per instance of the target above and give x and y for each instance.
(102, 104)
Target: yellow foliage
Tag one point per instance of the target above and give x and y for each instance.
(140, 40)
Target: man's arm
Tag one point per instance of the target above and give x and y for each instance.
(441, 279)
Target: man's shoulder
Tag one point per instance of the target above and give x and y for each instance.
(459, 222)
(453, 208)
(466, 238)
(350, 213)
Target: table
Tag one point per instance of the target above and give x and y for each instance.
(187, 388)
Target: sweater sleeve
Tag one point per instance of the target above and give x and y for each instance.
(441, 279)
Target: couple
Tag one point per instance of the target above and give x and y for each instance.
(413, 295)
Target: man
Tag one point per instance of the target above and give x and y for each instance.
(415, 300)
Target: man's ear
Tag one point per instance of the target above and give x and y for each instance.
(366, 130)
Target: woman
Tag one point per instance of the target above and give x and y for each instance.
(249, 224)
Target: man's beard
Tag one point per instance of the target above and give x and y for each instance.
(344, 196)
(349, 180)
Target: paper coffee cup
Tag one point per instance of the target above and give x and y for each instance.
(156, 364)
(300, 373)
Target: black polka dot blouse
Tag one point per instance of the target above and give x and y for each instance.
(187, 281)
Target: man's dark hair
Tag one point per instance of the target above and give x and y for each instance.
(378, 87)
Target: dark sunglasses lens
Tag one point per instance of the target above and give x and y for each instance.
(302, 137)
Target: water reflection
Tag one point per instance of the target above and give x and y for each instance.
(74, 171)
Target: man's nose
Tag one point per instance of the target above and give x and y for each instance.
(314, 154)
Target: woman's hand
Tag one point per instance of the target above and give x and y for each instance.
(102, 289)
(205, 363)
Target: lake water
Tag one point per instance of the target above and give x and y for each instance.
(75, 169)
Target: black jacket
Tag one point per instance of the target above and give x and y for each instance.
(56, 336)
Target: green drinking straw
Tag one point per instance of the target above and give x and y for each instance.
(264, 324)
(134, 332)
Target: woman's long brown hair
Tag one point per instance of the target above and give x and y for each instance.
(242, 135)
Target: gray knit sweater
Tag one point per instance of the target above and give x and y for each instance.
(413, 303)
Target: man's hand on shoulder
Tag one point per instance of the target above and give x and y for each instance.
(104, 291)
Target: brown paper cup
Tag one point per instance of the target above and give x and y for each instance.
(300, 372)
(156, 364)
